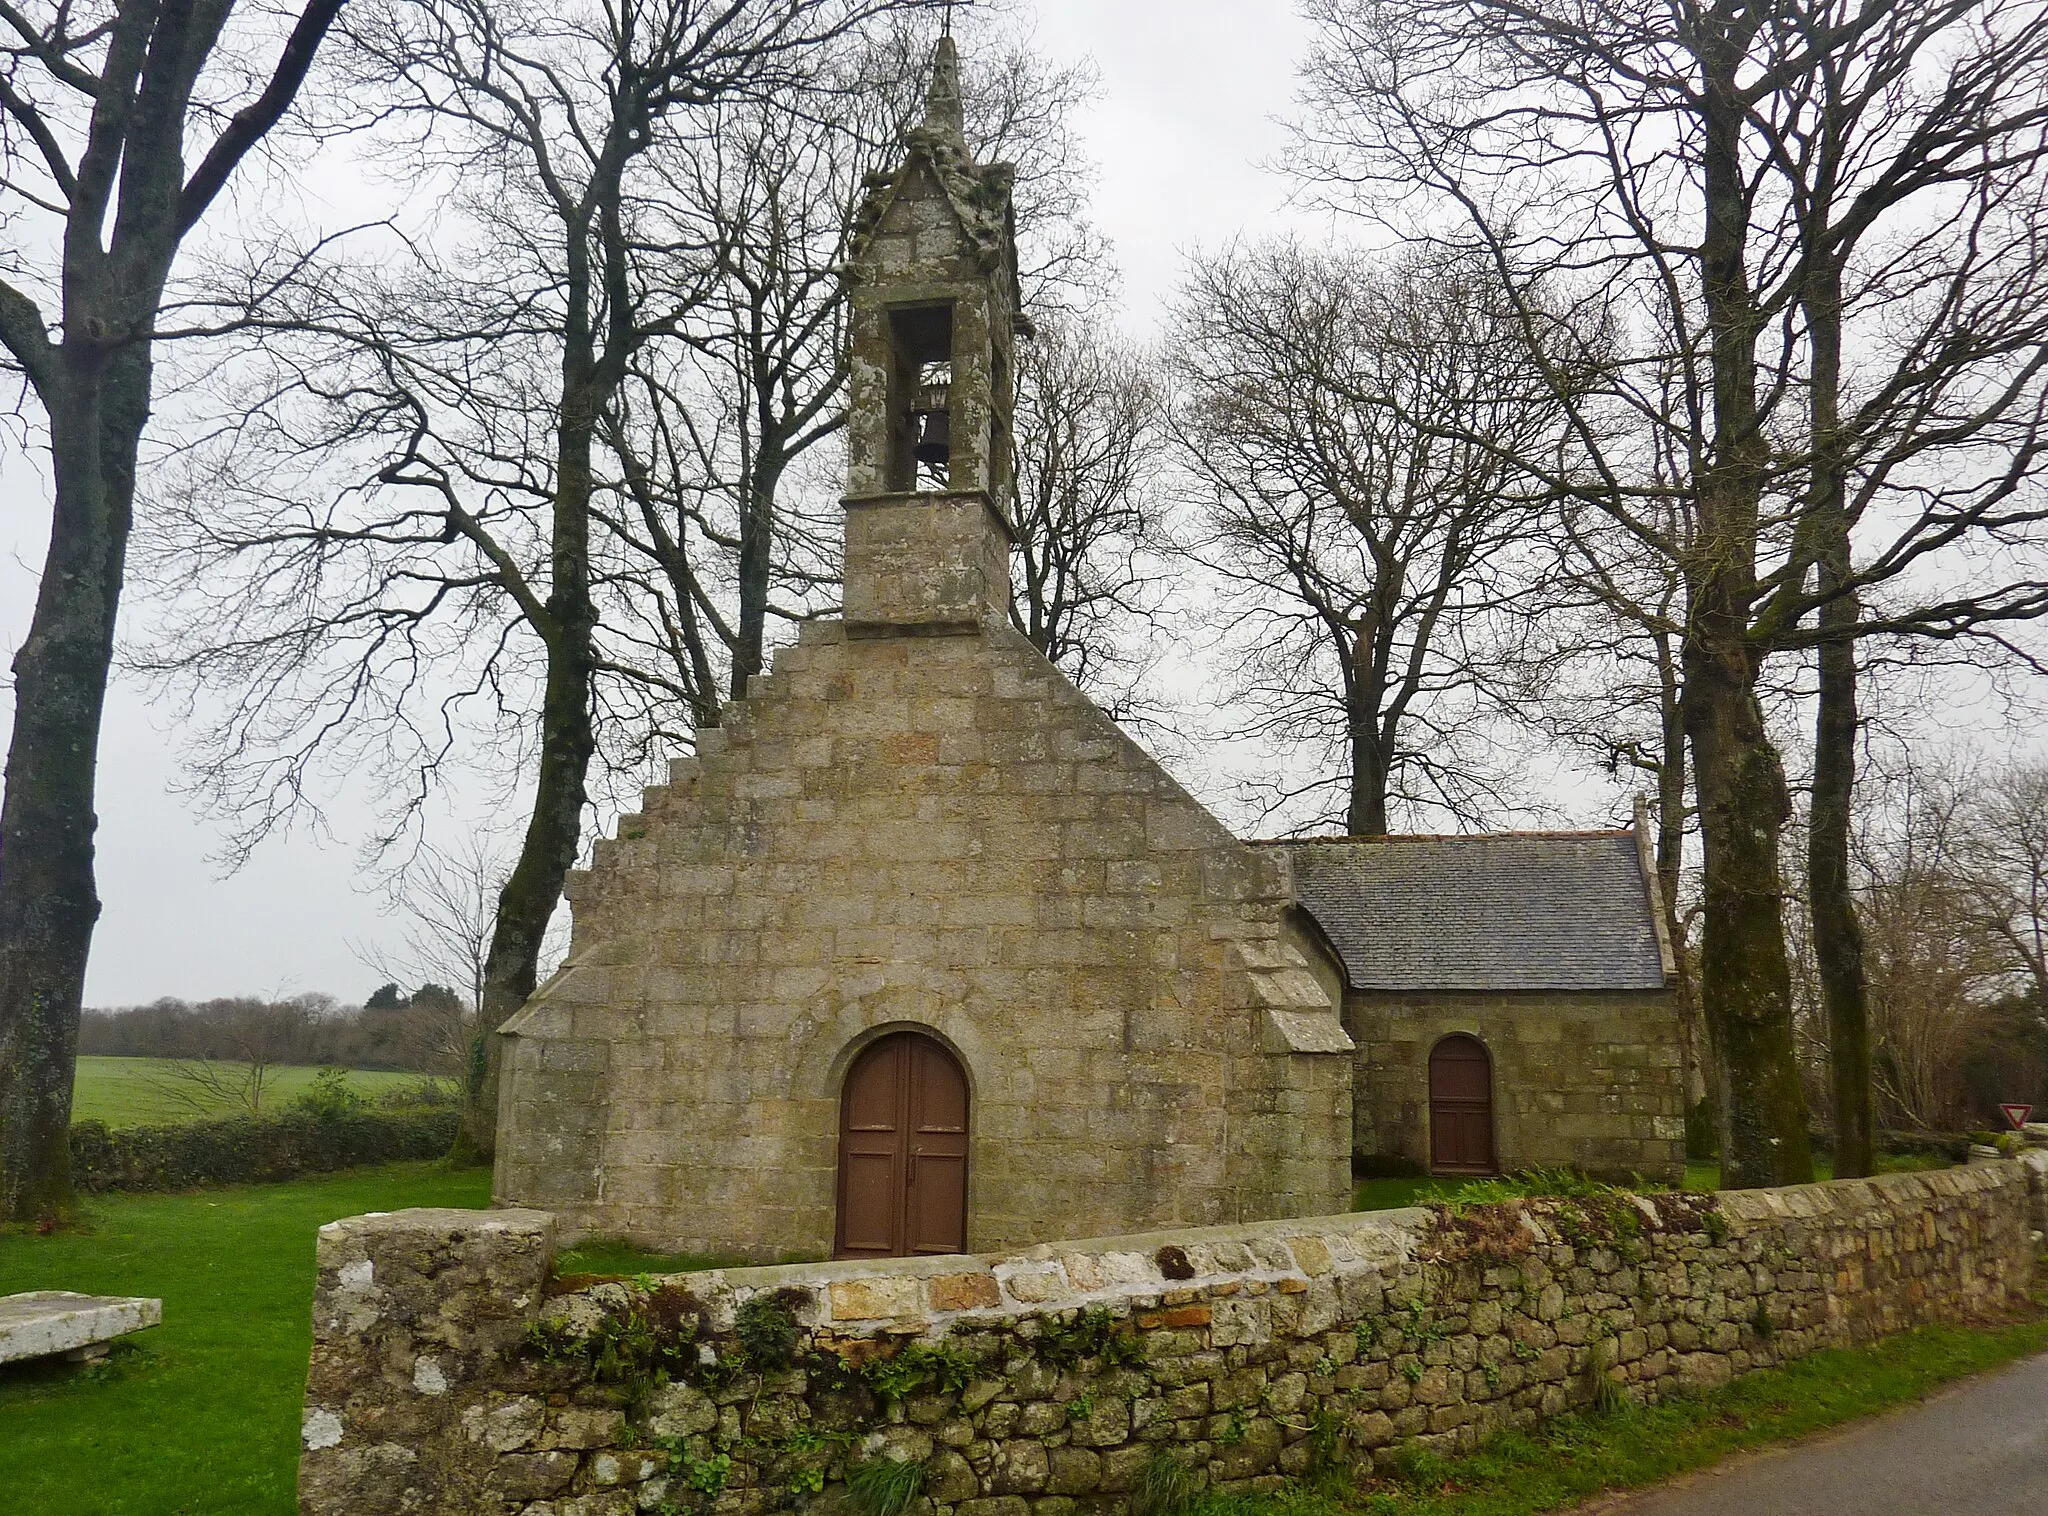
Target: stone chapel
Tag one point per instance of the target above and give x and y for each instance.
(920, 953)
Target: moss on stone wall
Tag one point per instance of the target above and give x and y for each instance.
(1063, 1380)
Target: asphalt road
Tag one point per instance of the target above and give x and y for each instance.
(1979, 1450)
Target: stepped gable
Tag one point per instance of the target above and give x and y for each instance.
(939, 833)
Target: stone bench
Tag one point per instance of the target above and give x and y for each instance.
(44, 1322)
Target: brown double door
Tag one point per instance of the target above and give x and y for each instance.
(902, 1151)
(1460, 1107)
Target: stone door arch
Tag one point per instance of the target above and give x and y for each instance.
(902, 1151)
(1460, 1107)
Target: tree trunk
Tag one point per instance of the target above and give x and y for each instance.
(48, 903)
(1745, 977)
(554, 830)
(757, 546)
(1365, 815)
(1670, 867)
(1837, 935)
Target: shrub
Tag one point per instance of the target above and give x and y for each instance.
(884, 1486)
(330, 1096)
(250, 1149)
(766, 1330)
(1166, 1487)
(426, 1093)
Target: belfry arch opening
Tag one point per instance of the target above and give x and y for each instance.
(920, 396)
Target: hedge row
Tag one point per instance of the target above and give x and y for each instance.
(243, 1149)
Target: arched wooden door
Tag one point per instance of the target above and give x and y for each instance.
(1460, 1107)
(902, 1151)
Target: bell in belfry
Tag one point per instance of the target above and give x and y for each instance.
(935, 435)
(934, 441)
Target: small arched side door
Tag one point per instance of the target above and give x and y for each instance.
(902, 1151)
(1460, 1107)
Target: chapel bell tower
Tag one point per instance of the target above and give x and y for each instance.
(932, 282)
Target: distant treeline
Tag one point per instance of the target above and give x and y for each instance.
(424, 1032)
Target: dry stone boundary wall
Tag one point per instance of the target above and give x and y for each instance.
(451, 1374)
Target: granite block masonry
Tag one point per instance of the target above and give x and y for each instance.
(450, 1374)
(1550, 950)
(915, 826)
(938, 834)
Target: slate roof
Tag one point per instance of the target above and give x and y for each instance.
(1527, 911)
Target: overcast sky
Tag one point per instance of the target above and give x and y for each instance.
(1186, 119)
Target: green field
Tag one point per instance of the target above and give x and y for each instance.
(140, 1091)
(200, 1414)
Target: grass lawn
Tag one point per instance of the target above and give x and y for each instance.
(1576, 1457)
(201, 1414)
(614, 1255)
(1392, 1194)
(129, 1091)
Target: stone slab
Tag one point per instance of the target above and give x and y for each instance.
(43, 1322)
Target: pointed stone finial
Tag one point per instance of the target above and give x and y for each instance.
(942, 110)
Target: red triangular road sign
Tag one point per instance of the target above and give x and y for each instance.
(2017, 1114)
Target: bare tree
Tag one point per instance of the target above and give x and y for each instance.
(1934, 970)
(247, 1041)
(98, 104)
(709, 430)
(1701, 179)
(1615, 615)
(447, 899)
(2003, 854)
(1353, 424)
(1090, 425)
(460, 574)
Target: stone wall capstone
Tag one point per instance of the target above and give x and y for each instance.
(451, 1375)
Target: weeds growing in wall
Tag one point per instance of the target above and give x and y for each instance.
(1165, 1487)
(767, 1330)
(1487, 1224)
(919, 1365)
(884, 1486)
(1066, 1339)
(1324, 1354)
